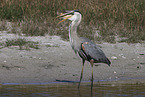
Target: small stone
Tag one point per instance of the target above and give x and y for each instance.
(114, 72)
(138, 67)
(74, 74)
(114, 58)
(123, 57)
(120, 54)
(34, 57)
(45, 67)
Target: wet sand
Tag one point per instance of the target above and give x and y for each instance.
(55, 60)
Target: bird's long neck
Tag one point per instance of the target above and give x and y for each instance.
(73, 37)
(73, 31)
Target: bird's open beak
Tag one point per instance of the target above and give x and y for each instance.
(65, 16)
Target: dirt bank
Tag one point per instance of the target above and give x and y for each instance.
(55, 60)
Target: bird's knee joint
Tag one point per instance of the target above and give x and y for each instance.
(92, 62)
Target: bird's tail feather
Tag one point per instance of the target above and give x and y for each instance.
(103, 60)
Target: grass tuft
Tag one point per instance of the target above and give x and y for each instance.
(124, 18)
(22, 43)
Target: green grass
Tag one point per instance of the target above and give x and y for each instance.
(22, 43)
(123, 18)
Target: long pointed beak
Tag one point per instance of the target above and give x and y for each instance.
(62, 14)
(65, 16)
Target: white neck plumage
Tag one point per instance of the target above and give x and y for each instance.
(73, 37)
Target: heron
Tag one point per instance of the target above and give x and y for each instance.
(85, 48)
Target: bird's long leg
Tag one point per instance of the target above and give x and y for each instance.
(83, 61)
(92, 62)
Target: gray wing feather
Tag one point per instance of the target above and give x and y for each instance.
(93, 51)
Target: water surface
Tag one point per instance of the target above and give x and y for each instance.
(70, 90)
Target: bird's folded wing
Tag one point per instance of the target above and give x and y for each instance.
(93, 51)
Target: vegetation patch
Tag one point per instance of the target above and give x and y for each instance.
(123, 18)
(48, 45)
(22, 43)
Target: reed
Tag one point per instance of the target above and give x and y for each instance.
(123, 18)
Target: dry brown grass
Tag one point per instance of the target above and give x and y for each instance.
(124, 18)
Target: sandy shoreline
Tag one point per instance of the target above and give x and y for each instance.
(58, 62)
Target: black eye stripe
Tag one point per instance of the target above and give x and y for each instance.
(77, 11)
(71, 13)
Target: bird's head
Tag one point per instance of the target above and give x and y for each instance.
(74, 16)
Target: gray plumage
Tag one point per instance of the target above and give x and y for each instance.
(92, 51)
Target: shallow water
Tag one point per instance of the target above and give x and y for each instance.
(70, 90)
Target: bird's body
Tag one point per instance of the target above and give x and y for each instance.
(90, 51)
(86, 49)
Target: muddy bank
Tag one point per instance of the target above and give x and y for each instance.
(55, 60)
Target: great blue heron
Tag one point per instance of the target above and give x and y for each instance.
(86, 49)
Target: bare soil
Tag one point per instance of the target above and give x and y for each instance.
(55, 60)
